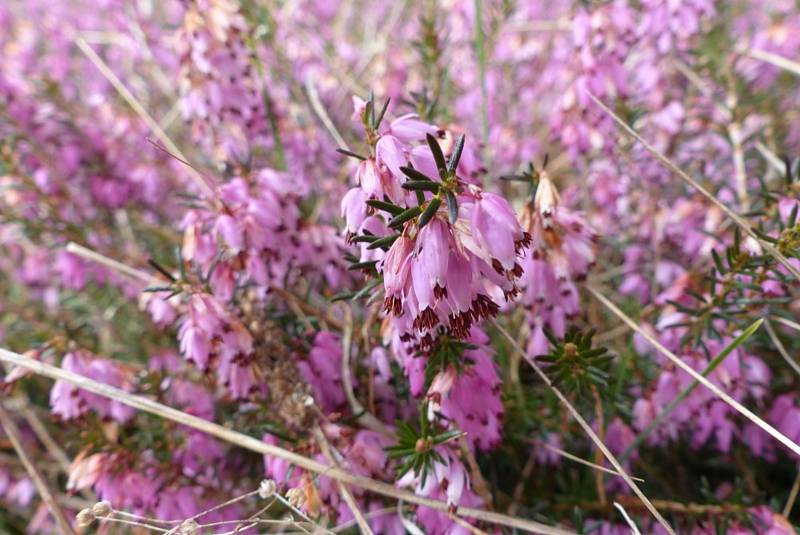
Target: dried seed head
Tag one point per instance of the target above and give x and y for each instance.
(189, 527)
(101, 508)
(267, 488)
(85, 517)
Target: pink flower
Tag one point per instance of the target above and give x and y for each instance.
(68, 402)
(561, 253)
(473, 401)
(323, 371)
(354, 209)
(409, 128)
(71, 269)
(396, 270)
(368, 177)
(390, 154)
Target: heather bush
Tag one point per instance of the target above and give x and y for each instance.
(437, 267)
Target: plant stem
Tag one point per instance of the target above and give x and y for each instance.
(716, 361)
(480, 49)
(12, 432)
(245, 441)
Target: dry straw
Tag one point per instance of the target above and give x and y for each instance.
(252, 444)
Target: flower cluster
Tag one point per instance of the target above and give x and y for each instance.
(68, 402)
(212, 338)
(221, 92)
(454, 259)
(561, 253)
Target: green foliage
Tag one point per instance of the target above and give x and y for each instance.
(447, 352)
(575, 364)
(416, 448)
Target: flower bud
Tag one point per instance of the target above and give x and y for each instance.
(295, 497)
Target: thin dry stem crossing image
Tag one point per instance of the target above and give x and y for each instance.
(439, 267)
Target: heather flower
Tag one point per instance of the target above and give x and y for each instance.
(561, 254)
(354, 210)
(71, 270)
(601, 40)
(409, 128)
(702, 414)
(473, 401)
(162, 311)
(69, 402)
(257, 236)
(449, 482)
(323, 371)
(212, 337)
(219, 86)
(261, 93)
(440, 388)
(442, 273)
(279, 469)
(454, 275)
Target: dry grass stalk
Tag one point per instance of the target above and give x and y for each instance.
(346, 494)
(588, 430)
(697, 186)
(744, 411)
(137, 107)
(775, 59)
(780, 347)
(239, 439)
(579, 460)
(12, 432)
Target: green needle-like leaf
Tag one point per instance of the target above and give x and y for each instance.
(456, 156)
(406, 215)
(413, 174)
(383, 242)
(429, 212)
(385, 206)
(438, 155)
(422, 185)
(452, 207)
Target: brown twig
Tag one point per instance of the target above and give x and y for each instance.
(365, 418)
(519, 489)
(308, 308)
(598, 455)
(478, 481)
(787, 509)
(683, 508)
(55, 451)
(630, 502)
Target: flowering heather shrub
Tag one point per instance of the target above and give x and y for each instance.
(400, 267)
